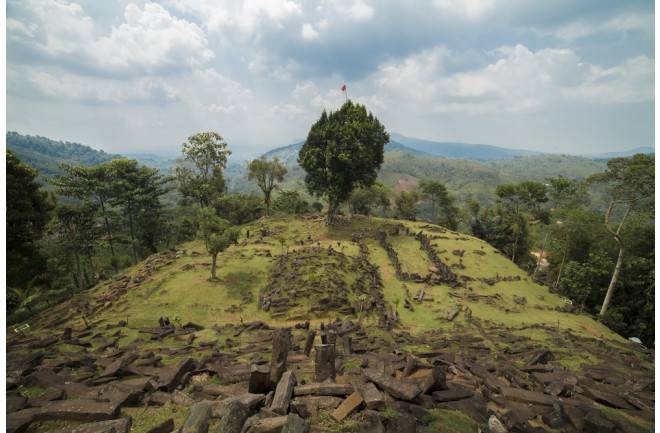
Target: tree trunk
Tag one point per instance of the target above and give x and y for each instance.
(538, 263)
(333, 207)
(561, 267)
(107, 228)
(214, 260)
(619, 260)
(130, 225)
(267, 202)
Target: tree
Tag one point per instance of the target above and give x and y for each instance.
(343, 150)
(406, 204)
(136, 190)
(565, 193)
(28, 211)
(266, 173)
(437, 194)
(200, 173)
(364, 200)
(291, 203)
(89, 184)
(631, 186)
(217, 234)
(239, 208)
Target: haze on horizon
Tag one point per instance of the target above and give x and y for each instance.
(136, 76)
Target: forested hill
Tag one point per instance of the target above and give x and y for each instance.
(46, 155)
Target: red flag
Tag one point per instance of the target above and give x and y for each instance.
(343, 87)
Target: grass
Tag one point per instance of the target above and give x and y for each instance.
(189, 296)
(635, 424)
(145, 418)
(450, 421)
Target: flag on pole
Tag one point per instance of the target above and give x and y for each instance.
(343, 87)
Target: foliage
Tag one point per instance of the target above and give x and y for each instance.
(46, 155)
(343, 150)
(239, 208)
(291, 203)
(28, 210)
(406, 204)
(266, 174)
(444, 211)
(217, 234)
(365, 200)
(200, 172)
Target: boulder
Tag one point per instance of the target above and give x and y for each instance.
(347, 406)
(451, 395)
(595, 422)
(234, 417)
(259, 379)
(250, 401)
(336, 389)
(164, 427)
(265, 425)
(121, 425)
(525, 396)
(283, 393)
(404, 390)
(198, 419)
(78, 410)
(402, 423)
(295, 424)
(372, 397)
(16, 402)
(308, 406)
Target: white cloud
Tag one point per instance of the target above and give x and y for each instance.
(520, 80)
(469, 9)
(360, 11)
(636, 22)
(19, 30)
(245, 15)
(149, 39)
(72, 88)
(308, 32)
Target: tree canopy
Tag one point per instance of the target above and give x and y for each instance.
(266, 174)
(343, 150)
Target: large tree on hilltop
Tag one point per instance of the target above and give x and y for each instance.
(343, 150)
(200, 173)
(631, 186)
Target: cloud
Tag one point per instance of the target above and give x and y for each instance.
(469, 9)
(150, 39)
(633, 22)
(308, 32)
(520, 80)
(360, 11)
(94, 90)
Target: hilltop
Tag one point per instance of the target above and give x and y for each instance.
(405, 298)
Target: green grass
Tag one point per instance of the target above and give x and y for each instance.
(636, 425)
(450, 421)
(145, 418)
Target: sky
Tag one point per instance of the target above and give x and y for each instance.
(560, 76)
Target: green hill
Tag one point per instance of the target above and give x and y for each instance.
(46, 155)
(397, 289)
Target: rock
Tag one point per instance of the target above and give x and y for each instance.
(451, 395)
(198, 419)
(309, 406)
(259, 379)
(18, 422)
(403, 423)
(436, 381)
(283, 392)
(404, 390)
(250, 401)
(265, 425)
(495, 425)
(78, 410)
(324, 362)
(340, 389)
(122, 425)
(281, 347)
(351, 403)
(159, 398)
(180, 398)
(235, 415)
(164, 427)
(575, 416)
(295, 424)
(541, 357)
(372, 422)
(372, 397)
(526, 396)
(309, 342)
(606, 398)
(16, 402)
(594, 422)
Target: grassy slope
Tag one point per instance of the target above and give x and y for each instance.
(189, 295)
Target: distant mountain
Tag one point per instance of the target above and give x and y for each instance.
(609, 155)
(475, 152)
(46, 155)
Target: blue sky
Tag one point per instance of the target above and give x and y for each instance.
(572, 76)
